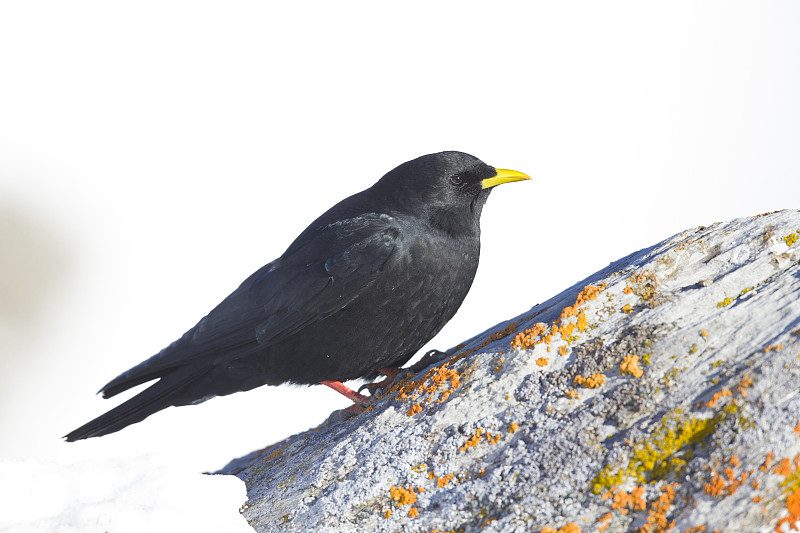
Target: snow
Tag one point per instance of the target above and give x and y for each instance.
(152, 493)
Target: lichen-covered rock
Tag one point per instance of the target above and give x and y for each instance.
(660, 394)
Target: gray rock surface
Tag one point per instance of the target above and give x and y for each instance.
(660, 394)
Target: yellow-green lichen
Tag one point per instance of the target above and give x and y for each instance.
(792, 482)
(670, 375)
(792, 238)
(726, 302)
(667, 450)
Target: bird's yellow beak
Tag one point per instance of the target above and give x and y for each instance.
(503, 176)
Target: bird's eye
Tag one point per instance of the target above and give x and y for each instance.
(457, 180)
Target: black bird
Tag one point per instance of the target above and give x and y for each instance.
(364, 287)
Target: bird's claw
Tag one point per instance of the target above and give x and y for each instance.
(370, 387)
(392, 376)
(431, 357)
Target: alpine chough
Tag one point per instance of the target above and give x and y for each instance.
(361, 290)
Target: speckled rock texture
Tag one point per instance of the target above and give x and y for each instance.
(660, 394)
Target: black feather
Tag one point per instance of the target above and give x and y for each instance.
(364, 287)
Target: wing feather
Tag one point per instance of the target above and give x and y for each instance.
(312, 281)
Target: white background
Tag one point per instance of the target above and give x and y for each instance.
(154, 154)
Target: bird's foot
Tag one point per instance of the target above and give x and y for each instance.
(430, 358)
(358, 399)
(391, 374)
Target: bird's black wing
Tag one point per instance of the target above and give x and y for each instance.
(318, 276)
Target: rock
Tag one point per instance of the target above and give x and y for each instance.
(660, 394)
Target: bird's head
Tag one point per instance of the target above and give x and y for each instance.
(447, 188)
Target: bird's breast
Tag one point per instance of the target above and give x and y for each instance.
(424, 283)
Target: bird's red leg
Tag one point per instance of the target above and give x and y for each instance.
(344, 390)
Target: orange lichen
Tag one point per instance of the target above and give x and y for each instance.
(592, 382)
(432, 382)
(624, 501)
(566, 331)
(605, 518)
(627, 290)
(512, 428)
(582, 323)
(735, 483)
(630, 365)
(441, 376)
(757, 499)
(543, 361)
(402, 495)
(493, 439)
(588, 294)
(793, 506)
(443, 481)
(696, 529)
(562, 350)
(472, 441)
(627, 309)
(657, 517)
(790, 470)
(784, 467)
(414, 409)
(542, 333)
(716, 397)
(528, 338)
(572, 394)
(773, 348)
(767, 461)
(716, 487)
(704, 333)
(413, 512)
(499, 361)
(725, 486)
(387, 513)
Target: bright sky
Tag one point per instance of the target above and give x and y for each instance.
(154, 154)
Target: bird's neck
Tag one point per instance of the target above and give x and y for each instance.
(454, 222)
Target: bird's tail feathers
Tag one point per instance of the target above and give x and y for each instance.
(162, 394)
